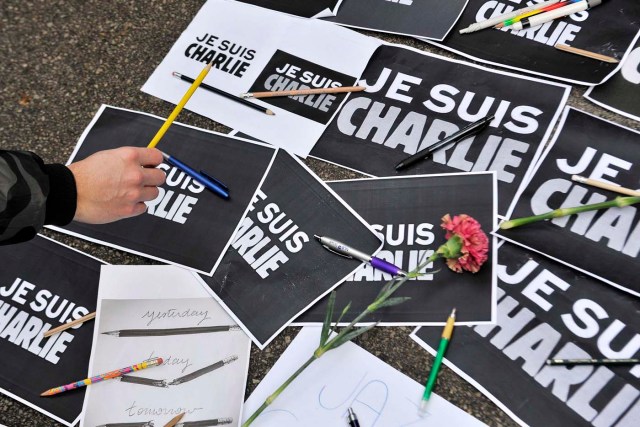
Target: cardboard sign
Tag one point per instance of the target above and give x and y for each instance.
(609, 29)
(184, 224)
(275, 269)
(546, 310)
(415, 99)
(621, 92)
(608, 239)
(44, 284)
(406, 212)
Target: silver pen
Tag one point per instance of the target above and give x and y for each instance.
(347, 251)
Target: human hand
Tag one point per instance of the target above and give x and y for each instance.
(114, 184)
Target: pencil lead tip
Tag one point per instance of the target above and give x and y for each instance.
(270, 113)
(498, 26)
(176, 74)
(453, 313)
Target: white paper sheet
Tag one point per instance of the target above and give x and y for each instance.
(345, 377)
(163, 297)
(253, 35)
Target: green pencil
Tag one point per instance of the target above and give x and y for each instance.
(444, 342)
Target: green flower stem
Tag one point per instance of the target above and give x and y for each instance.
(618, 202)
(280, 389)
(338, 340)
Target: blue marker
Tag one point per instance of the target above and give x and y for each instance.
(202, 177)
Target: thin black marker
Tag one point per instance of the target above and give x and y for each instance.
(205, 370)
(125, 333)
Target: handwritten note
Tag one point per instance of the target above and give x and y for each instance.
(346, 377)
(162, 311)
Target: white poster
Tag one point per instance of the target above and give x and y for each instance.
(146, 312)
(347, 377)
(255, 50)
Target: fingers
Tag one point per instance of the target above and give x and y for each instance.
(148, 193)
(153, 177)
(149, 157)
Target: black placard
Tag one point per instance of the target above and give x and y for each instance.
(42, 285)
(608, 29)
(187, 224)
(288, 72)
(546, 310)
(608, 239)
(621, 92)
(406, 213)
(419, 18)
(305, 8)
(275, 269)
(415, 99)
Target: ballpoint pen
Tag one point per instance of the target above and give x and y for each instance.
(202, 177)
(349, 252)
(465, 132)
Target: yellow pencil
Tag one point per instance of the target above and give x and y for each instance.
(180, 106)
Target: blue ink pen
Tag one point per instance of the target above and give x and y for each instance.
(202, 177)
(349, 252)
(353, 420)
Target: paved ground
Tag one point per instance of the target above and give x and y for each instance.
(60, 60)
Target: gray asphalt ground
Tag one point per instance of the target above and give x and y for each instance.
(60, 60)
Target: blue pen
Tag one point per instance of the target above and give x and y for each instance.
(202, 177)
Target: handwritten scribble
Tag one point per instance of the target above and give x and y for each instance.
(325, 406)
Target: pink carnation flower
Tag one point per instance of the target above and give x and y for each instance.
(475, 244)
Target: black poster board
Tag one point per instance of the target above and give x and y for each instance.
(415, 99)
(187, 224)
(621, 93)
(546, 310)
(304, 8)
(608, 29)
(431, 19)
(406, 213)
(42, 285)
(609, 239)
(275, 269)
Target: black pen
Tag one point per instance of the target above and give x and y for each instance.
(353, 420)
(463, 133)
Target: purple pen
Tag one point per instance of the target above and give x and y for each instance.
(349, 252)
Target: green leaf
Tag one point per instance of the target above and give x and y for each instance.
(326, 326)
(353, 334)
(393, 301)
(344, 311)
(385, 288)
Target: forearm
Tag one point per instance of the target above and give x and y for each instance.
(32, 194)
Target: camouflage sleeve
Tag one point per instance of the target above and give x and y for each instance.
(32, 194)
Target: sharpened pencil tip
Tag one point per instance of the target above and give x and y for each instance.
(270, 113)
(453, 313)
(176, 74)
(498, 26)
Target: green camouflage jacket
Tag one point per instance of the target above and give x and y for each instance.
(33, 194)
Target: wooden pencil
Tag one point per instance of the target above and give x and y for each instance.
(175, 420)
(69, 325)
(302, 92)
(605, 186)
(180, 106)
(587, 53)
